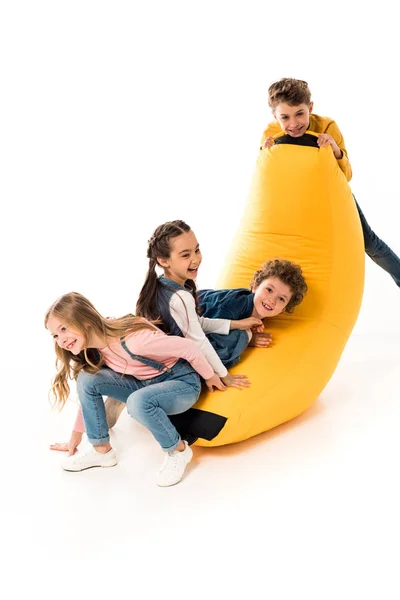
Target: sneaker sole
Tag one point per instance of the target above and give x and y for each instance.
(106, 466)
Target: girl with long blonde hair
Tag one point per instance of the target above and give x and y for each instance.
(133, 361)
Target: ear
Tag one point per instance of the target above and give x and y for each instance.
(163, 262)
(310, 108)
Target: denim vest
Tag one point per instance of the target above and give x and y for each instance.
(143, 359)
(165, 289)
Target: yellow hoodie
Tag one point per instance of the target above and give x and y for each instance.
(318, 125)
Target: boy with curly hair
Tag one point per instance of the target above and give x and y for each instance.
(277, 287)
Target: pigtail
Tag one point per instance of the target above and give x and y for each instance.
(146, 305)
(193, 288)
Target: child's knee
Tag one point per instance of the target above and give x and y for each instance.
(85, 381)
(138, 405)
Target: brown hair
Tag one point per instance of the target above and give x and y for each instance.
(290, 91)
(159, 246)
(289, 273)
(77, 312)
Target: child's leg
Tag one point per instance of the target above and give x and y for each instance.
(151, 406)
(230, 347)
(91, 389)
(378, 251)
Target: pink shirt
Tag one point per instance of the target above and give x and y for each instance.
(156, 345)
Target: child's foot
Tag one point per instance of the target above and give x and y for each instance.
(113, 410)
(87, 460)
(174, 466)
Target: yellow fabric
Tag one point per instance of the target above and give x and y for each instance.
(300, 208)
(318, 125)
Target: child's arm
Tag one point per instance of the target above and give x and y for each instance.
(183, 311)
(267, 139)
(75, 439)
(157, 345)
(249, 323)
(333, 137)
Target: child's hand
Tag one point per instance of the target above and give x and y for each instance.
(258, 328)
(261, 340)
(324, 139)
(215, 381)
(269, 142)
(249, 323)
(236, 381)
(70, 446)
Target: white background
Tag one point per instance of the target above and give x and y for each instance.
(118, 116)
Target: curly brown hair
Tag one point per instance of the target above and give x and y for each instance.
(290, 91)
(289, 273)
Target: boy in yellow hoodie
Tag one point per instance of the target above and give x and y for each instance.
(290, 102)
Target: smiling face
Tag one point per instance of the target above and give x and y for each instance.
(294, 120)
(270, 298)
(184, 260)
(66, 338)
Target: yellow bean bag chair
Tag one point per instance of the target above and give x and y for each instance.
(300, 208)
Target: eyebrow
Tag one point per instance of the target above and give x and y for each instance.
(274, 288)
(296, 113)
(188, 250)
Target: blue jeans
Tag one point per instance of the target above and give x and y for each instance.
(148, 401)
(229, 347)
(378, 251)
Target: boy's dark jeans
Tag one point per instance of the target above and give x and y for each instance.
(380, 253)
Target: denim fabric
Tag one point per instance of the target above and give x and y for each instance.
(152, 404)
(165, 288)
(91, 389)
(148, 401)
(236, 303)
(378, 251)
(229, 347)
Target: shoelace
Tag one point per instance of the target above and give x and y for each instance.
(172, 459)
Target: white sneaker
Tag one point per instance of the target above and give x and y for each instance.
(174, 466)
(87, 460)
(113, 410)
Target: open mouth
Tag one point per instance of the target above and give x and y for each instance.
(71, 345)
(193, 271)
(266, 306)
(296, 131)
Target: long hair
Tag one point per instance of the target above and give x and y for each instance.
(159, 246)
(78, 313)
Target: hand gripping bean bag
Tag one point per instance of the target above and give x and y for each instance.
(300, 208)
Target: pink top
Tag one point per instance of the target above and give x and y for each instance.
(157, 346)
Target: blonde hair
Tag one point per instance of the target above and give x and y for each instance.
(78, 312)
